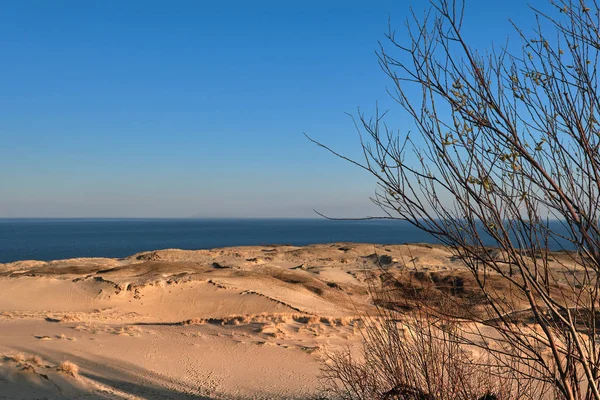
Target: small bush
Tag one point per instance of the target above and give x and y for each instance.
(69, 368)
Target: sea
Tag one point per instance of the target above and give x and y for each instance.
(54, 239)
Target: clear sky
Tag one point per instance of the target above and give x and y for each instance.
(195, 108)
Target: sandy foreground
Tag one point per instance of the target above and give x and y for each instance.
(240, 322)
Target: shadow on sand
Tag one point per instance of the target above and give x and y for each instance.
(100, 378)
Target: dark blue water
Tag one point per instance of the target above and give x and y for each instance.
(52, 239)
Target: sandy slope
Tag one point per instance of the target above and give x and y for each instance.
(243, 322)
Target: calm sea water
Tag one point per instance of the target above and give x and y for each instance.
(52, 239)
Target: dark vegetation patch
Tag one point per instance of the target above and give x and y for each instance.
(382, 260)
(65, 270)
(315, 289)
(314, 285)
(152, 256)
(452, 292)
(104, 271)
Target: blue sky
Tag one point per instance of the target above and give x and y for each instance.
(194, 108)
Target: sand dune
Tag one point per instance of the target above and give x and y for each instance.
(242, 322)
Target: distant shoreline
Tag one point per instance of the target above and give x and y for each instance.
(143, 255)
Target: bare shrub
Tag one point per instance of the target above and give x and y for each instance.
(421, 356)
(18, 358)
(504, 152)
(35, 359)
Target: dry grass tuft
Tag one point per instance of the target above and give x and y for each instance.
(69, 368)
(194, 321)
(35, 359)
(306, 319)
(70, 318)
(271, 330)
(18, 358)
(6, 315)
